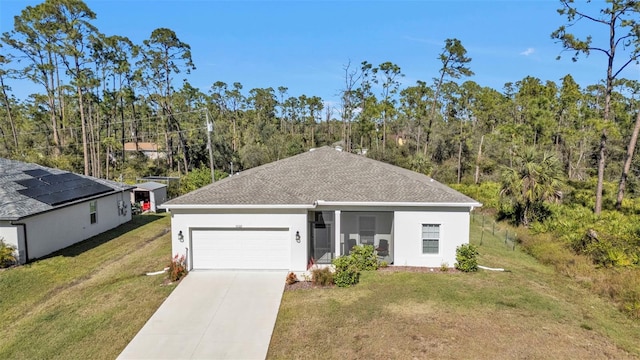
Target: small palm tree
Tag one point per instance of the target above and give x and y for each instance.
(7, 254)
(534, 180)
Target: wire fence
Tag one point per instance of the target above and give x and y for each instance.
(496, 231)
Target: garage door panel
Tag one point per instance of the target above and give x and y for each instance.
(241, 249)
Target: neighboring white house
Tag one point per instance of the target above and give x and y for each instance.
(313, 207)
(150, 195)
(43, 210)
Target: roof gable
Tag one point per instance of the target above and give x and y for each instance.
(327, 175)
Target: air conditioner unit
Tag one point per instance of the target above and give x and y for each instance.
(122, 207)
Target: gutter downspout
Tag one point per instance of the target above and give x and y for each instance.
(26, 243)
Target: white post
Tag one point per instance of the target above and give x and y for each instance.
(336, 230)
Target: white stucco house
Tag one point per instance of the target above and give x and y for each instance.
(313, 207)
(43, 210)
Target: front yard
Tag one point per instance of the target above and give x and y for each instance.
(87, 301)
(90, 300)
(530, 312)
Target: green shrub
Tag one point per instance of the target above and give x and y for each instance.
(444, 267)
(347, 272)
(322, 276)
(177, 268)
(466, 258)
(7, 254)
(488, 193)
(198, 178)
(364, 257)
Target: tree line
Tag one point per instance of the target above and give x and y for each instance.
(99, 91)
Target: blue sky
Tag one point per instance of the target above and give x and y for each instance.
(304, 45)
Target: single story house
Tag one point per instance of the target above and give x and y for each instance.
(43, 210)
(149, 149)
(315, 206)
(149, 195)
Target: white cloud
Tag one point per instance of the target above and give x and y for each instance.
(528, 52)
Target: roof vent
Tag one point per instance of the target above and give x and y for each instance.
(339, 148)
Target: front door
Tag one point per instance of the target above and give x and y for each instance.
(322, 238)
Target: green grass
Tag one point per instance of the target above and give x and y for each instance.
(529, 312)
(89, 300)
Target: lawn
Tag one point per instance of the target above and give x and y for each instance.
(87, 301)
(529, 312)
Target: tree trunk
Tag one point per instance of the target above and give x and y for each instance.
(5, 140)
(607, 115)
(627, 162)
(459, 161)
(601, 162)
(234, 144)
(54, 124)
(313, 135)
(85, 150)
(183, 148)
(63, 110)
(433, 112)
(92, 141)
(52, 105)
(14, 133)
(384, 132)
(97, 146)
(477, 176)
(168, 146)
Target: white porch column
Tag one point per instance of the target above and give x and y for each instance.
(338, 246)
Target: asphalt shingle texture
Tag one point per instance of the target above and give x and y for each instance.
(323, 174)
(14, 205)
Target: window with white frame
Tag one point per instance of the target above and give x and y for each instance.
(430, 238)
(93, 211)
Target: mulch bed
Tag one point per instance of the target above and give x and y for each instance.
(301, 285)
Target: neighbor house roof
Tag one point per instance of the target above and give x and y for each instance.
(324, 176)
(27, 189)
(142, 146)
(150, 185)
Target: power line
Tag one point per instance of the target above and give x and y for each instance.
(119, 140)
(114, 122)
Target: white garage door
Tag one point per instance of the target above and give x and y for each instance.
(241, 249)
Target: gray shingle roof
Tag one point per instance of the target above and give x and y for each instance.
(323, 174)
(14, 206)
(150, 185)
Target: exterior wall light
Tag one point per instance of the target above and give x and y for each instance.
(180, 236)
(297, 236)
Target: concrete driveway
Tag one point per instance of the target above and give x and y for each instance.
(213, 315)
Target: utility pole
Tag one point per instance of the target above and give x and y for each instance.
(209, 130)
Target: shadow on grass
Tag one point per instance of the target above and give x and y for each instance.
(86, 245)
